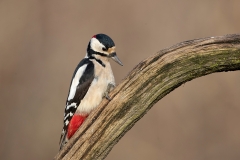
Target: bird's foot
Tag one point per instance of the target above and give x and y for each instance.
(109, 88)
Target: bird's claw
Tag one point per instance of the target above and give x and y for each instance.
(109, 88)
(107, 96)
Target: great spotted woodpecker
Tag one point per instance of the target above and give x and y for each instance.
(91, 82)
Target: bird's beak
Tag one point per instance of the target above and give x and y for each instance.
(116, 59)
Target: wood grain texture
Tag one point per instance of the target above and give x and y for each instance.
(147, 83)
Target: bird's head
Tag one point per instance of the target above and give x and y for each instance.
(102, 45)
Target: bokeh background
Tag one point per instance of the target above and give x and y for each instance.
(41, 42)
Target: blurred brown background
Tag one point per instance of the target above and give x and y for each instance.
(41, 42)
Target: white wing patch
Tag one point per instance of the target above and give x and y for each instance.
(66, 122)
(66, 117)
(75, 81)
(71, 105)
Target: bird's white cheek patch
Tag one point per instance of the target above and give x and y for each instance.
(96, 45)
(75, 81)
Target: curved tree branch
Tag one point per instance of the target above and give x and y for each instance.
(147, 83)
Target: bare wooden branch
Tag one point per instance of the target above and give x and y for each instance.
(147, 83)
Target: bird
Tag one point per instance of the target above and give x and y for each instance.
(92, 81)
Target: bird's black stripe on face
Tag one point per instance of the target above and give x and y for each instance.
(101, 54)
(98, 60)
(91, 52)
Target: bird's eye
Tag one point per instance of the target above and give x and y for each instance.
(104, 49)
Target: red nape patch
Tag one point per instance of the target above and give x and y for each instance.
(74, 124)
(94, 36)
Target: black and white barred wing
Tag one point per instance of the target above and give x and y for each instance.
(81, 81)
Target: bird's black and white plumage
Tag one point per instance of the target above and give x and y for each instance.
(91, 81)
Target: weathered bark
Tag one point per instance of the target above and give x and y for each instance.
(147, 83)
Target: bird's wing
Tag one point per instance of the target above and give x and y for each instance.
(81, 81)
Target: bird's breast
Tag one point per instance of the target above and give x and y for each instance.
(95, 93)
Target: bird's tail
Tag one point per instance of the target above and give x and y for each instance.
(63, 139)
